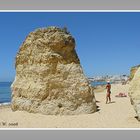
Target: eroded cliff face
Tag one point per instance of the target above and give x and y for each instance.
(134, 92)
(133, 71)
(49, 78)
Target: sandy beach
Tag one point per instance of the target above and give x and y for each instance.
(118, 114)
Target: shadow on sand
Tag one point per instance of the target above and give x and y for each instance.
(97, 101)
(136, 117)
(98, 109)
(112, 102)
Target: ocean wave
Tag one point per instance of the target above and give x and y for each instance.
(4, 104)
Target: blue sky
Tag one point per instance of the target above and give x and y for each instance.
(106, 43)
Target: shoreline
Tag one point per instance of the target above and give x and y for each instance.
(5, 104)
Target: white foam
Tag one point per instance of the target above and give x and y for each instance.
(4, 104)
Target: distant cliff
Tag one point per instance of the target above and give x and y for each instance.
(133, 71)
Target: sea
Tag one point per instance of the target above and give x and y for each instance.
(5, 91)
(98, 83)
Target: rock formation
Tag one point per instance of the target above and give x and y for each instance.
(49, 78)
(133, 71)
(134, 92)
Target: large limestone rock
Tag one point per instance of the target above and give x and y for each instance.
(133, 71)
(49, 78)
(134, 92)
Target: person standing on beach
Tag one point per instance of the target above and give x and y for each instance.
(108, 87)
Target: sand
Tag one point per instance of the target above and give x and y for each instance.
(118, 114)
